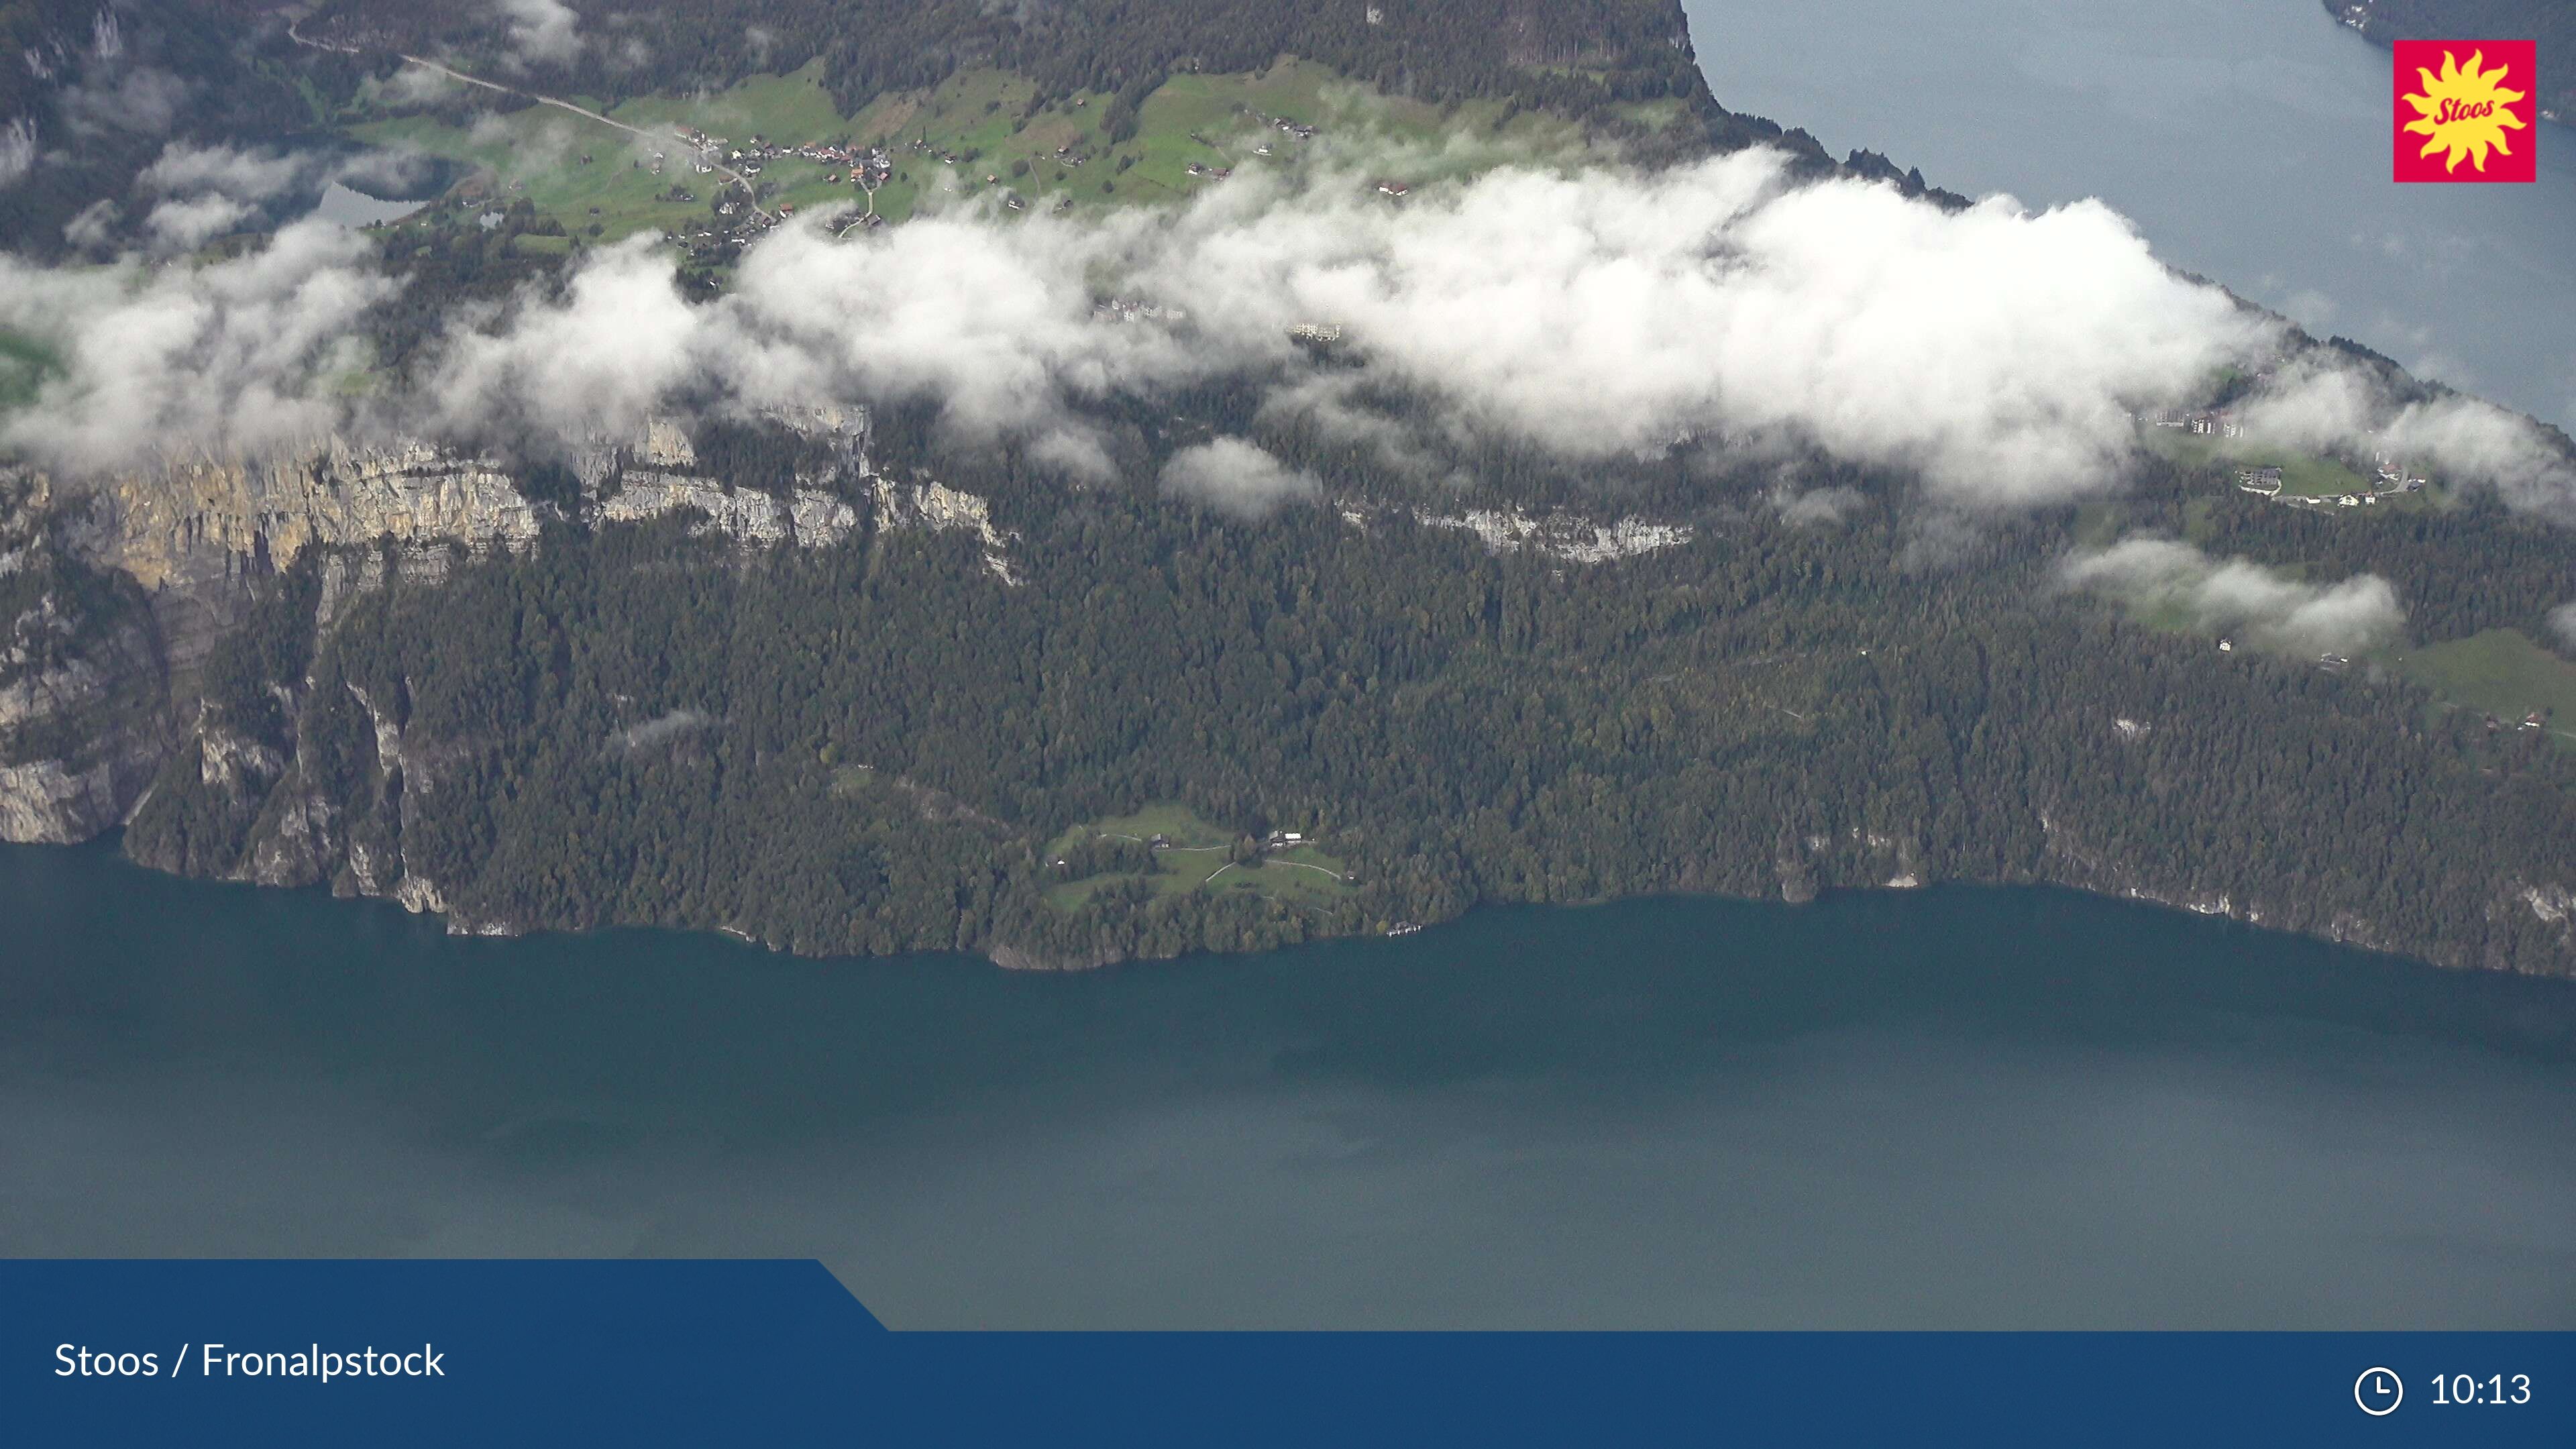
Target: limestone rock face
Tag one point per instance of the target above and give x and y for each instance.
(81, 723)
(200, 520)
(115, 590)
(936, 506)
(201, 517)
(810, 518)
(56, 802)
(1565, 537)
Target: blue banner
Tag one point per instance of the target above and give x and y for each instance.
(753, 1352)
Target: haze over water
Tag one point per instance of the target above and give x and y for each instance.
(2248, 139)
(1952, 1107)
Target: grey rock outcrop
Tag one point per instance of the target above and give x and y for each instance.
(115, 587)
(81, 728)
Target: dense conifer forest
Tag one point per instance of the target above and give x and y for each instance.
(878, 745)
(868, 747)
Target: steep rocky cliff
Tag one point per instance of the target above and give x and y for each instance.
(272, 670)
(116, 590)
(82, 723)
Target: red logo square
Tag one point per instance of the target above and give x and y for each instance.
(2465, 110)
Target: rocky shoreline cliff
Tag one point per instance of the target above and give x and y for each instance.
(115, 588)
(129, 600)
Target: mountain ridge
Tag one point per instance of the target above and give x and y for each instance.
(837, 686)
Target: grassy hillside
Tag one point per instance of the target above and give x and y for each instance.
(976, 133)
(1195, 857)
(1579, 56)
(2501, 672)
(2303, 475)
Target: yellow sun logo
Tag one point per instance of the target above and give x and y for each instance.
(2463, 111)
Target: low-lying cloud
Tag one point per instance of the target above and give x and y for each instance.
(205, 191)
(2317, 405)
(2160, 577)
(185, 223)
(2561, 627)
(661, 728)
(191, 194)
(1996, 353)
(144, 99)
(542, 31)
(1238, 478)
(596, 364)
(244, 355)
(1816, 505)
(250, 173)
(1594, 315)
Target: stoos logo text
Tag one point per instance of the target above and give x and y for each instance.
(2464, 110)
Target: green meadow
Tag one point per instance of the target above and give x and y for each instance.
(2302, 475)
(1196, 859)
(1004, 145)
(2502, 672)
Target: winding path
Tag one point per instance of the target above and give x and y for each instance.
(544, 100)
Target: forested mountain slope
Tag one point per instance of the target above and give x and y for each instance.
(1313, 556)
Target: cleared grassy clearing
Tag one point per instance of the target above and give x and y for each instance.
(978, 134)
(1197, 856)
(2302, 475)
(2502, 672)
(538, 153)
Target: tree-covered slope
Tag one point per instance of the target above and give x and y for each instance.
(871, 747)
(1736, 546)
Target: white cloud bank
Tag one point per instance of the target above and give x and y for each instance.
(1597, 314)
(161, 360)
(2237, 596)
(597, 363)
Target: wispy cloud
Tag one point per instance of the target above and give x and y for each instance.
(2319, 403)
(17, 150)
(1592, 314)
(1236, 477)
(2561, 625)
(2268, 608)
(542, 31)
(169, 360)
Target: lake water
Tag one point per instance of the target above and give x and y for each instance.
(1945, 1107)
(352, 208)
(2247, 138)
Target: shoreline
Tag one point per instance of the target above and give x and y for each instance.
(1014, 960)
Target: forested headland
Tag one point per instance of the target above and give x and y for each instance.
(868, 747)
(1464, 670)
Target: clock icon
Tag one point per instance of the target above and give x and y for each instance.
(2378, 1392)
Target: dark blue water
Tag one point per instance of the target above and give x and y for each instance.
(1957, 1106)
